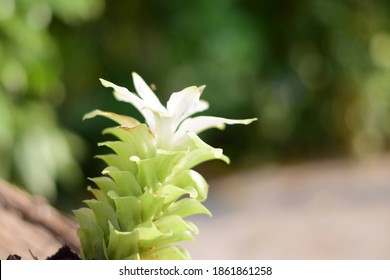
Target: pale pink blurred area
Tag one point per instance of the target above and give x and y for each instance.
(335, 209)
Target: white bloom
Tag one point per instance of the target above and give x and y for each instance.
(172, 124)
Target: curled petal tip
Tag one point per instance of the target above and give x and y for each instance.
(248, 121)
(134, 74)
(91, 114)
(105, 83)
(201, 88)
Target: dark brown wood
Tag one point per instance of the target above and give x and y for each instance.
(30, 227)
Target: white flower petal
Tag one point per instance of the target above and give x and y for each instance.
(172, 125)
(147, 94)
(202, 106)
(149, 117)
(183, 103)
(123, 94)
(201, 123)
(163, 130)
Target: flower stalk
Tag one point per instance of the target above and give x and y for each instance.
(149, 187)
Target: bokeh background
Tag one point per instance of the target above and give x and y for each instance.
(316, 73)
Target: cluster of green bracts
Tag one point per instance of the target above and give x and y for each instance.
(148, 186)
(143, 195)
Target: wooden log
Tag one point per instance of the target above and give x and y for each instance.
(30, 227)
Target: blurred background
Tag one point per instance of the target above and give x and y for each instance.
(316, 73)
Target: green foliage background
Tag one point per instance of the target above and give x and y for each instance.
(315, 72)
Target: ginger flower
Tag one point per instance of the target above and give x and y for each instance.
(172, 124)
(149, 187)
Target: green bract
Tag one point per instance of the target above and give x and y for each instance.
(148, 186)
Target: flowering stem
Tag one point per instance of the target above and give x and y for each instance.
(148, 187)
